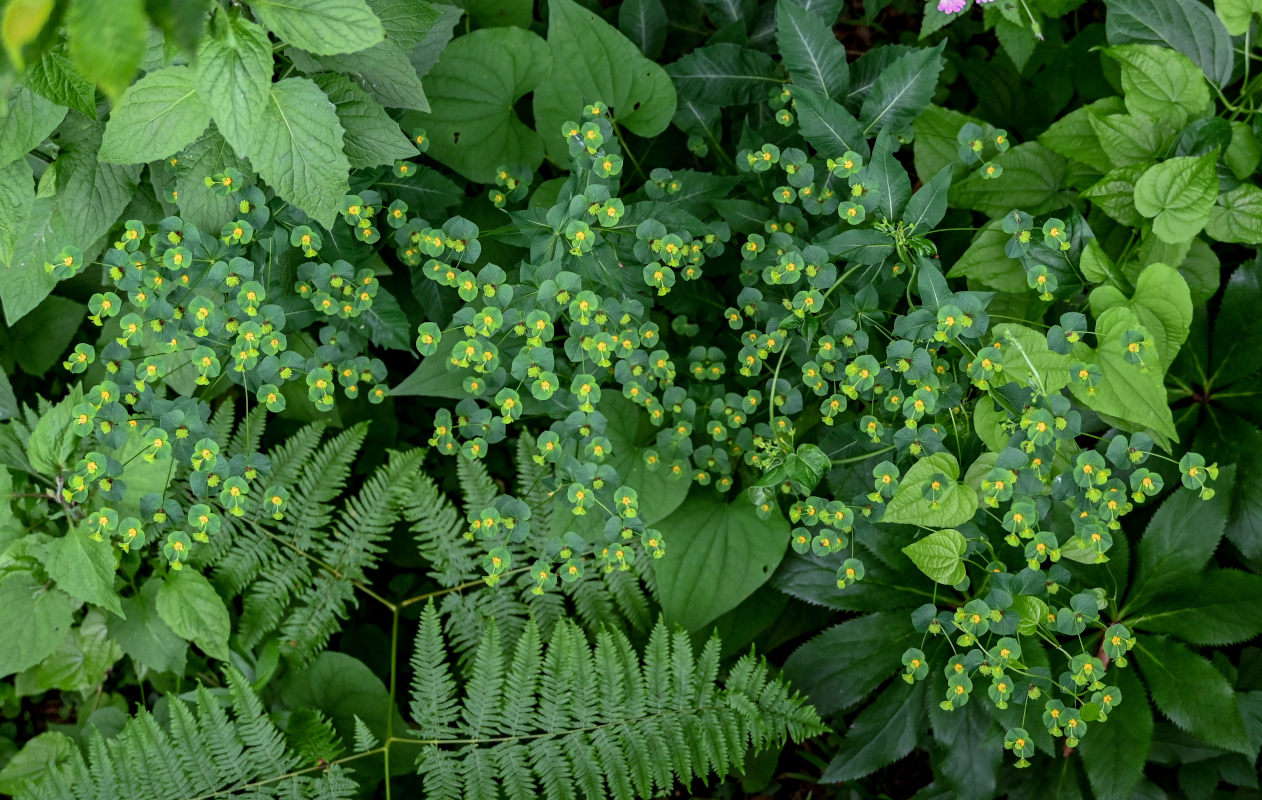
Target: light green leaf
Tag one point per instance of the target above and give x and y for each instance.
(839, 667)
(159, 115)
(1114, 754)
(1178, 195)
(90, 194)
(883, 732)
(471, 122)
(1236, 14)
(1237, 216)
(144, 636)
(1179, 541)
(1114, 194)
(41, 755)
(1095, 264)
(717, 554)
(725, 74)
(1160, 82)
(816, 60)
(1130, 393)
(902, 91)
(29, 121)
(1128, 139)
(1033, 180)
(107, 41)
(17, 194)
(1218, 607)
(1185, 25)
(1163, 303)
(1192, 693)
(54, 78)
(79, 663)
(297, 149)
(233, 75)
(323, 27)
(83, 568)
(828, 126)
(940, 555)
(1244, 152)
(955, 505)
(372, 138)
(1074, 137)
(592, 61)
(35, 619)
(190, 605)
(493, 13)
(1028, 360)
(52, 441)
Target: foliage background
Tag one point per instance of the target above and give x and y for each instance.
(360, 628)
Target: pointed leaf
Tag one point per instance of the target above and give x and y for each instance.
(816, 60)
(159, 115)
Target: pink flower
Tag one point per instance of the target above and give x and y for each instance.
(951, 6)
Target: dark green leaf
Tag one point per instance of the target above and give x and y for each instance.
(717, 554)
(883, 733)
(1192, 693)
(902, 91)
(1185, 25)
(1114, 754)
(811, 53)
(840, 666)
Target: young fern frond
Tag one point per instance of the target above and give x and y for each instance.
(205, 753)
(577, 720)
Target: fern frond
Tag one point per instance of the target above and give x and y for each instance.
(205, 753)
(249, 433)
(577, 720)
(476, 485)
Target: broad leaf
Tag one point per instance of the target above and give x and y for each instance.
(839, 667)
(190, 605)
(234, 74)
(828, 126)
(1237, 216)
(35, 619)
(928, 205)
(1192, 693)
(1217, 607)
(954, 505)
(1179, 540)
(343, 688)
(986, 261)
(645, 23)
(1185, 25)
(893, 187)
(83, 568)
(372, 138)
(323, 27)
(1159, 82)
(297, 149)
(1029, 361)
(144, 636)
(1114, 754)
(940, 555)
(883, 733)
(1033, 180)
(629, 433)
(902, 91)
(811, 53)
(726, 74)
(29, 121)
(471, 123)
(592, 61)
(717, 554)
(1178, 194)
(1236, 14)
(107, 41)
(1073, 136)
(159, 115)
(90, 195)
(1162, 302)
(1128, 392)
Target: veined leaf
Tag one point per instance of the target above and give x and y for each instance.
(1178, 194)
(1163, 303)
(190, 605)
(726, 74)
(158, 116)
(35, 619)
(1216, 607)
(902, 91)
(297, 149)
(829, 128)
(372, 138)
(940, 555)
(812, 54)
(234, 74)
(1192, 693)
(323, 27)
